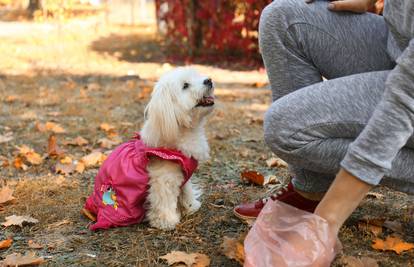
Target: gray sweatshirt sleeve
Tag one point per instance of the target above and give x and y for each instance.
(390, 126)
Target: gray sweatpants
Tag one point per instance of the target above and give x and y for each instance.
(311, 123)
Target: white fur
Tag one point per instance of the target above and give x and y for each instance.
(174, 121)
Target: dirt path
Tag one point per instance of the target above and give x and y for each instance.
(84, 76)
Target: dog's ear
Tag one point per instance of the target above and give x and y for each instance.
(161, 126)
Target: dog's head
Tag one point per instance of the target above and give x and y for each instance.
(181, 99)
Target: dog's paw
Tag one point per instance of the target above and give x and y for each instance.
(164, 221)
(191, 207)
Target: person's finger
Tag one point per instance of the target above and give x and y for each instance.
(348, 5)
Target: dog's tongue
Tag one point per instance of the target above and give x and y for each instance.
(206, 101)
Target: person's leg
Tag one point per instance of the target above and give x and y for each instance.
(301, 42)
(312, 128)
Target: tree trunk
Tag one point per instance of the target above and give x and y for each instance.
(33, 6)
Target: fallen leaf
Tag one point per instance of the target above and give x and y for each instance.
(351, 261)
(30, 155)
(189, 260)
(66, 160)
(93, 86)
(233, 249)
(80, 167)
(49, 126)
(65, 169)
(11, 98)
(6, 138)
(107, 127)
(252, 177)
(374, 229)
(109, 143)
(18, 220)
(276, 162)
(78, 141)
(4, 162)
(52, 148)
(34, 245)
(88, 215)
(392, 243)
(58, 224)
(18, 164)
(6, 195)
(17, 259)
(270, 179)
(93, 159)
(6, 243)
(374, 195)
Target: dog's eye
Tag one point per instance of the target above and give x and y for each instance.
(186, 85)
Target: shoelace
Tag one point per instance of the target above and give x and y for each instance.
(275, 191)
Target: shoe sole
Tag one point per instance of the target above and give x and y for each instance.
(244, 218)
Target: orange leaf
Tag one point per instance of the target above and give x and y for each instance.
(78, 141)
(80, 167)
(50, 126)
(252, 177)
(52, 147)
(233, 249)
(107, 127)
(6, 243)
(392, 243)
(108, 143)
(18, 164)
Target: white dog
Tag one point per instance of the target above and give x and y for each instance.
(175, 119)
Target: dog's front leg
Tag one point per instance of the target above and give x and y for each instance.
(165, 179)
(189, 198)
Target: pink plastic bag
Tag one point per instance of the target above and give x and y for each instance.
(286, 236)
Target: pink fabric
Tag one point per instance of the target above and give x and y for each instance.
(124, 176)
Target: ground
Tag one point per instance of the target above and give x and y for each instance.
(84, 73)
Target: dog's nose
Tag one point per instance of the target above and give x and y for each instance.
(208, 82)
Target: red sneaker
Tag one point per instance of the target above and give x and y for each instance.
(250, 211)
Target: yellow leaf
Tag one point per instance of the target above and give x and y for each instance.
(93, 159)
(50, 126)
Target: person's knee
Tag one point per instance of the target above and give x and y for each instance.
(278, 129)
(275, 20)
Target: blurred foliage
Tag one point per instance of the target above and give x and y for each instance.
(211, 30)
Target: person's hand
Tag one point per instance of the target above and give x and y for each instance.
(356, 6)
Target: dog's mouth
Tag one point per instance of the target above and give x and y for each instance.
(206, 101)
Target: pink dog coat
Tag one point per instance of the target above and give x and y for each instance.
(122, 183)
